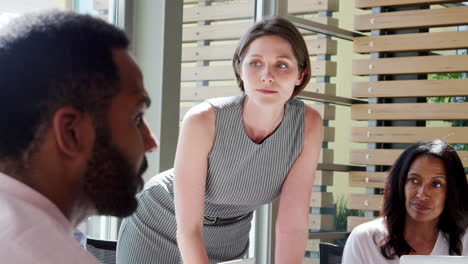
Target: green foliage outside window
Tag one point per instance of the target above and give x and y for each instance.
(342, 213)
(456, 99)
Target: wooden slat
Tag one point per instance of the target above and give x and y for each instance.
(322, 46)
(225, 52)
(326, 156)
(215, 32)
(313, 245)
(225, 72)
(218, 12)
(323, 178)
(310, 260)
(320, 222)
(221, 52)
(233, 31)
(440, 17)
(412, 65)
(411, 88)
(363, 4)
(409, 134)
(354, 221)
(367, 179)
(321, 199)
(371, 202)
(245, 10)
(412, 42)
(410, 111)
(323, 68)
(327, 112)
(386, 156)
(209, 73)
(329, 136)
(323, 88)
(200, 93)
(374, 156)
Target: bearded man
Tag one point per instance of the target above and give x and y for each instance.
(72, 134)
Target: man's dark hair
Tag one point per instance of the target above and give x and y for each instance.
(451, 221)
(49, 60)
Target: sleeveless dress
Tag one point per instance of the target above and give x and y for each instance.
(242, 176)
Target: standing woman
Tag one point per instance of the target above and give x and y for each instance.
(425, 203)
(235, 154)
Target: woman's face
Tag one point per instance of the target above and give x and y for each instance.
(425, 189)
(270, 70)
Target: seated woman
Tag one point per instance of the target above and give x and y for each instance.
(425, 202)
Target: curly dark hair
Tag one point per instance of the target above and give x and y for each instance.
(280, 27)
(49, 60)
(451, 221)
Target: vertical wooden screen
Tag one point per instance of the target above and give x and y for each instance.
(408, 40)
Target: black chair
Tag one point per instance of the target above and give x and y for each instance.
(102, 250)
(330, 253)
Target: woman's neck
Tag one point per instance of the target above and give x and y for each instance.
(421, 236)
(260, 121)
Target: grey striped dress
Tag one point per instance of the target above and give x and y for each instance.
(242, 175)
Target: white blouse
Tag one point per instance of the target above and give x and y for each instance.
(361, 247)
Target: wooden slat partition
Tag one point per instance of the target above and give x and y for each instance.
(410, 111)
(386, 156)
(409, 134)
(411, 88)
(234, 30)
(367, 179)
(354, 221)
(225, 72)
(370, 202)
(412, 42)
(440, 17)
(225, 52)
(402, 38)
(395, 3)
(412, 65)
(245, 10)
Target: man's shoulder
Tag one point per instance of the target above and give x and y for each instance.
(21, 253)
(28, 235)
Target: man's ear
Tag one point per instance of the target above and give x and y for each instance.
(301, 77)
(73, 130)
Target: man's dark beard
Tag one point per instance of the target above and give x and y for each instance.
(110, 180)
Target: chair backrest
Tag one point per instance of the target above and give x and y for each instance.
(102, 250)
(330, 253)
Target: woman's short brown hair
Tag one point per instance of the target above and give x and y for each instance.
(280, 27)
